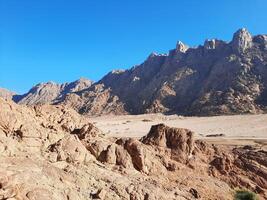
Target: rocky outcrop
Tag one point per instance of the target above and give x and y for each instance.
(216, 78)
(180, 141)
(95, 100)
(242, 40)
(181, 47)
(69, 149)
(247, 163)
(51, 152)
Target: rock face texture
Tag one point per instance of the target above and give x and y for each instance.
(180, 141)
(50, 92)
(6, 94)
(215, 78)
(96, 100)
(51, 152)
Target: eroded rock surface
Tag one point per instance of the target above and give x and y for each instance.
(50, 92)
(180, 141)
(51, 152)
(218, 77)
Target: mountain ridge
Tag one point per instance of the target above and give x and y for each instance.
(217, 77)
(49, 92)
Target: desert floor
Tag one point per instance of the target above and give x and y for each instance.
(237, 129)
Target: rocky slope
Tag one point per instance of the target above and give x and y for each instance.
(6, 94)
(51, 152)
(50, 92)
(215, 78)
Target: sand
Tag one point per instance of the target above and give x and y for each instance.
(237, 129)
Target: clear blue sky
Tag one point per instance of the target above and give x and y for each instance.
(62, 40)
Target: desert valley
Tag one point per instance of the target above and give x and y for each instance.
(190, 124)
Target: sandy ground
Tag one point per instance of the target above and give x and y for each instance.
(237, 129)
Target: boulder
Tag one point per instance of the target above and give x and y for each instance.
(179, 140)
(69, 149)
(86, 132)
(136, 151)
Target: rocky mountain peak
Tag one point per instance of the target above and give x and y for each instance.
(261, 40)
(242, 40)
(6, 94)
(50, 92)
(80, 84)
(152, 55)
(214, 78)
(181, 47)
(213, 44)
(83, 80)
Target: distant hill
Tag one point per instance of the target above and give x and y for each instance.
(47, 93)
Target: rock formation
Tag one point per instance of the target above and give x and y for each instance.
(180, 141)
(215, 78)
(50, 92)
(52, 152)
(242, 41)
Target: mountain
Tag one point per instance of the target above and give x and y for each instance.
(6, 94)
(215, 78)
(51, 92)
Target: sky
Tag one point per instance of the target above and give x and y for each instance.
(63, 40)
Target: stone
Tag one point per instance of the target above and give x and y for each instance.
(183, 82)
(242, 40)
(195, 193)
(68, 149)
(39, 194)
(100, 194)
(180, 141)
(136, 151)
(181, 47)
(50, 92)
(76, 160)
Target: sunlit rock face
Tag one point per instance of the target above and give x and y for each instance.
(242, 40)
(52, 152)
(215, 78)
(51, 92)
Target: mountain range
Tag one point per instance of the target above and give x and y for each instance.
(215, 78)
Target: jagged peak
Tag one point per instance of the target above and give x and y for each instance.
(210, 44)
(84, 80)
(241, 31)
(242, 40)
(181, 47)
(153, 54)
(213, 43)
